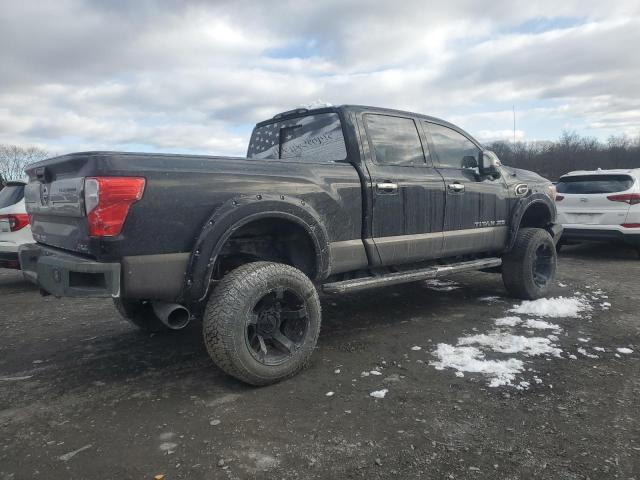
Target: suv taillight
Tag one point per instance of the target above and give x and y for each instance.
(17, 221)
(630, 198)
(107, 201)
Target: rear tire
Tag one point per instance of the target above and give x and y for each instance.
(140, 313)
(262, 322)
(529, 268)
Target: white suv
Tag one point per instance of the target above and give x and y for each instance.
(14, 224)
(600, 205)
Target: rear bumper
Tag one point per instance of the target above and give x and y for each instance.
(65, 275)
(602, 235)
(145, 277)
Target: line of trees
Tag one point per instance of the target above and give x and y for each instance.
(570, 152)
(14, 159)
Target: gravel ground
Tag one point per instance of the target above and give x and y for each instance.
(83, 395)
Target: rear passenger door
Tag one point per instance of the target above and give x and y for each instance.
(407, 192)
(475, 218)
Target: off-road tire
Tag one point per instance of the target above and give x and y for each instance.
(518, 264)
(140, 313)
(232, 303)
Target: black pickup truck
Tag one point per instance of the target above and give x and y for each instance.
(336, 199)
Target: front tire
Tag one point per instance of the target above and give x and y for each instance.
(262, 322)
(529, 269)
(140, 313)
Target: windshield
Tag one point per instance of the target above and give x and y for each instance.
(311, 138)
(593, 184)
(11, 195)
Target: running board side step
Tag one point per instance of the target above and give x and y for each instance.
(396, 278)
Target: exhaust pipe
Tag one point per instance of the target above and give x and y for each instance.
(173, 315)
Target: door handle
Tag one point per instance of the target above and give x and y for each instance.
(456, 187)
(387, 187)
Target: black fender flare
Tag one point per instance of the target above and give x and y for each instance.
(520, 209)
(235, 213)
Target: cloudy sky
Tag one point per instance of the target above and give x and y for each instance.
(194, 76)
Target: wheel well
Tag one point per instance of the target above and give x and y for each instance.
(268, 239)
(536, 215)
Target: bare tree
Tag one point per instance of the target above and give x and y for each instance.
(14, 159)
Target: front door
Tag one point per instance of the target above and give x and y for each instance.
(476, 212)
(407, 192)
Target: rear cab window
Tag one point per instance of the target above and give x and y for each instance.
(10, 195)
(312, 138)
(394, 140)
(594, 184)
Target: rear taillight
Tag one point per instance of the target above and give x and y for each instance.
(107, 201)
(559, 198)
(630, 225)
(17, 221)
(630, 198)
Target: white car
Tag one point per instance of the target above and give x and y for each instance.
(14, 224)
(600, 205)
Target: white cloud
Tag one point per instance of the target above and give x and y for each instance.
(193, 76)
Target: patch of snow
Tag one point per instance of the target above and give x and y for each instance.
(330, 394)
(507, 321)
(365, 374)
(472, 360)
(416, 348)
(605, 305)
(561, 285)
(490, 298)
(315, 104)
(70, 455)
(537, 379)
(553, 307)
(379, 393)
(583, 340)
(459, 374)
(15, 379)
(553, 338)
(441, 285)
(523, 385)
(215, 422)
(507, 343)
(599, 349)
(582, 351)
(337, 370)
(624, 350)
(541, 325)
(375, 372)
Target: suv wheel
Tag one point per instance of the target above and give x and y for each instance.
(140, 313)
(262, 322)
(529, 268)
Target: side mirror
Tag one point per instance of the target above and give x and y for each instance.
(488, 164)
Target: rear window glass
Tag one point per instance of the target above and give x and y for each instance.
(314, 138)
(585, 184)
(395, 140)
(11, 195)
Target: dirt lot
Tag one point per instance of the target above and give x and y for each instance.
(83, 395)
